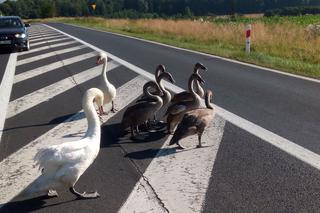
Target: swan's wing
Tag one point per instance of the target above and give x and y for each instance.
(57, 155)
(176, 109)
(182, 96)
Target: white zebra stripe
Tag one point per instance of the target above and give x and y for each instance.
(33, 99)
(47, 47)
(44, 42)
(49, 54)
(47, 68)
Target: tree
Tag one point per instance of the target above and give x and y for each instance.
(47, 8)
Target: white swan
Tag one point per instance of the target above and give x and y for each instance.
(107, 88)
(63, 164)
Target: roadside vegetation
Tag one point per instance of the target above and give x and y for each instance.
(291, 44)
(285, 36)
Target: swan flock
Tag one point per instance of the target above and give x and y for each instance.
(62, 165)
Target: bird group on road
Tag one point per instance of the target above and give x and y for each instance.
(62, 165)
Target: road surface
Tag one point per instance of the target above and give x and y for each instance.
(261, 151)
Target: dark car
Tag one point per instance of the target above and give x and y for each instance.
(14, 33)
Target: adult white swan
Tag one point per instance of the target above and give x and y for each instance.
(63, 164)
(107, 88)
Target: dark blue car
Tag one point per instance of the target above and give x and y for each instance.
(13, 33)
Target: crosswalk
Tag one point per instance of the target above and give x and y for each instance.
(50, 67)
(43, 56)
(166, 181)
(126, 93)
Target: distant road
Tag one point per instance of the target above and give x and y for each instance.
(285, 105)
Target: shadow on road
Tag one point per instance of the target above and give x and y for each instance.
(29, 205)
(55, 121)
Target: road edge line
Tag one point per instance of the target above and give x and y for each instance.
(5, 89)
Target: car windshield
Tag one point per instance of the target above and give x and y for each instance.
(10, 23)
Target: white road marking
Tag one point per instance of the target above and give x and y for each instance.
(46, 37)
(142, 199)
(179, 179)
(282, 143)
(47, 47)
(40, 35)
(21, 162)
(205, 54)
(45, 42)
(49, 54)
(5, 89)
(37, 32)
(47, 68)
(41, 31)
(45, 94)
(37, 36)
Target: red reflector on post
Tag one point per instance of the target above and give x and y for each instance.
(248, 33)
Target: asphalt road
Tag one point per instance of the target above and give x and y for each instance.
(284, 105)
(248, 174)
(4, 56)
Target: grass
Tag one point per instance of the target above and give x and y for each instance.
(278, 42)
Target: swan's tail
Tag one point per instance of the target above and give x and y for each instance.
(181, 132)
(176, 136)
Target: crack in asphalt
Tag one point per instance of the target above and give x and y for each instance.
(146, 180)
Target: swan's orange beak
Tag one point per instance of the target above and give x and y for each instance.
(99, 61)
(101, 111)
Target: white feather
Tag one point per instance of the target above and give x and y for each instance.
(107, 88)
(63, 164)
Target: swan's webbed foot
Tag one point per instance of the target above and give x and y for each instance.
(114, 110)
(179, 146)
(52, 193)
(85, 195)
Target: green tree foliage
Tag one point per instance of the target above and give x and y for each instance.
(149, 8)
(293, 11)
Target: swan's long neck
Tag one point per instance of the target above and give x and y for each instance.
(208, 103)
(166, 94)
(197, 87)
(93, 130)
(157, 74)
(154, 97)
(196, 97)
(104, 73)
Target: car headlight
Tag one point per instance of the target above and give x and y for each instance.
(20, 35)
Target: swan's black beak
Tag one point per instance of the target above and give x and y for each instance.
(200, 66)
(171, 79)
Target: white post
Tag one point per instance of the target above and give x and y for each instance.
(248, 38)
